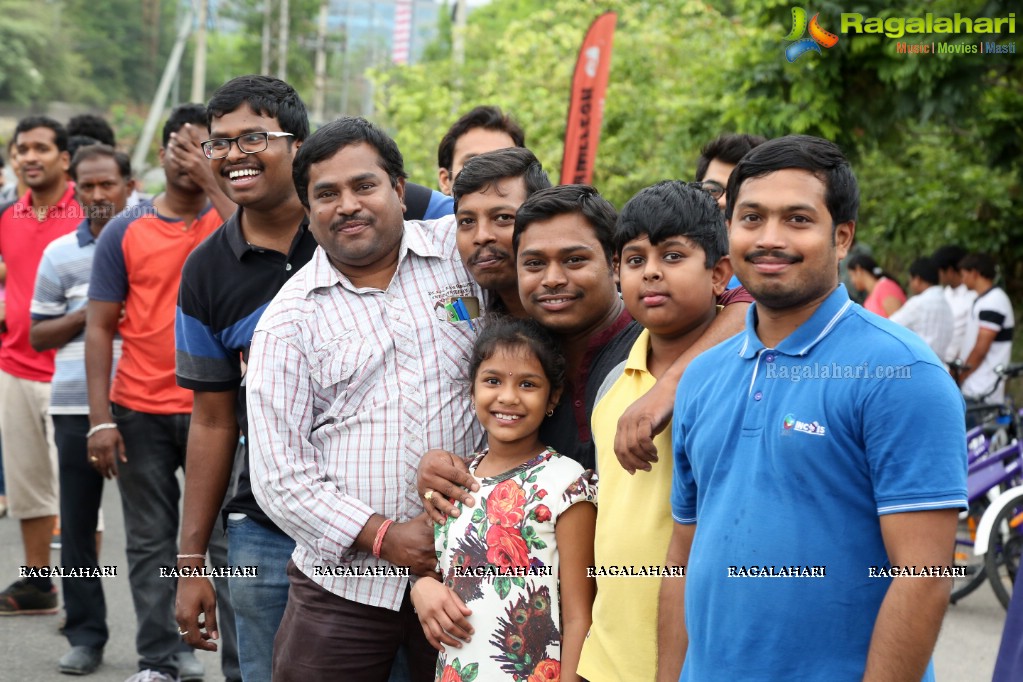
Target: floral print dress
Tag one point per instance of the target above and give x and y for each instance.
(501, 558)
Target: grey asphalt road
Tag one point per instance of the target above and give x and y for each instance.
(31, 645)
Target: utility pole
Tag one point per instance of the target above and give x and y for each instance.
(320, 69)
(264, 65)
(458, 54)
(282, 43)
(199, 65)
(138, 157)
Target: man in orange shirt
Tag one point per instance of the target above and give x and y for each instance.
(139, 425)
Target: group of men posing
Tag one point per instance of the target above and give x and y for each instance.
(307, 322)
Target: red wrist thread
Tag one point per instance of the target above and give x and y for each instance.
(378, 542)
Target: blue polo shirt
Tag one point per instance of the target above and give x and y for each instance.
(785, 458)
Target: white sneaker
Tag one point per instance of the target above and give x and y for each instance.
(151, 676)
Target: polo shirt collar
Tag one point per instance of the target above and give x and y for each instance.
(808, 334)
(639, 353)
(236, 239)
(233, 233)
(84, 234)
(66, 199)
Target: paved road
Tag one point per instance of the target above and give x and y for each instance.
(30, 646)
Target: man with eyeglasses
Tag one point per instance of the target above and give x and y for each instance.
(139, 422)
(256, 126)
(717, 159)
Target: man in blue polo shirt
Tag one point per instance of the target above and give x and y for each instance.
(809, 470)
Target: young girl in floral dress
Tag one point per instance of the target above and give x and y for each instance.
(515, 600)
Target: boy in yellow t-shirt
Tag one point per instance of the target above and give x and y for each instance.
(672, 263)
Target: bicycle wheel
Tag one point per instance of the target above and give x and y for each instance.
(966, 535)
(1005, 546)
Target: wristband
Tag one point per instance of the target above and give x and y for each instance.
(378, 542)
(99, 427)
(191, 556)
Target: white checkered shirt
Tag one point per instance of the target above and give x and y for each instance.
(347, 388)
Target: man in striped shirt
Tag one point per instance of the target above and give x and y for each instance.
(103, 182)
(352, 377)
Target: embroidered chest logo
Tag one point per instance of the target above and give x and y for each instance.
(790, 425)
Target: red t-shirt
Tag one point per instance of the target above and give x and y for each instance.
(22, 240)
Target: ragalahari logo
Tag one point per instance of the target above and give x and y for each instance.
(818, 36)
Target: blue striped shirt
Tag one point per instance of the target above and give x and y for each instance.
(62, 287)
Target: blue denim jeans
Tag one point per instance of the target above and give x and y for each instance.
(258, 602)
(155, 448)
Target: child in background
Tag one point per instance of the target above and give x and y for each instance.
(501, 609)
(672, 252)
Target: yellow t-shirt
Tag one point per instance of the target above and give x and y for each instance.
(633, 531)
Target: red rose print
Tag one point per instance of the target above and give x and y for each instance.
(450, 675)
(542, 513)
(505, 504)
(506, 548)
(547, 670)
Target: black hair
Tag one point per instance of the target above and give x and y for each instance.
(95, 151)
(567, 199)
(821, 157)
(727, 148)
(265, 95)
(482, 171)
(862, 261)
(948, 257)
(179, 116)
(76, 142)
(673, 209)
(505, 331)
(925, 269)
(981, 263)
(32, 122)
(92, 126)
(331, 138)
(489, 117)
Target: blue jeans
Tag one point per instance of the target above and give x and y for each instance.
(155, 448)
(258, 602)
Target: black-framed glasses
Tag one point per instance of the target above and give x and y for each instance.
(711, 187)
(249, 143)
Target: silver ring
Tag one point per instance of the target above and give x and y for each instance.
(182, 632)
(94, 459)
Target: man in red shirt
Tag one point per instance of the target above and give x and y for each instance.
(47, 211)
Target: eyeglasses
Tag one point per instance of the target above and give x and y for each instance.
(711, 187)
(249, 143)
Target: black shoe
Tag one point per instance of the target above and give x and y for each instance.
(81, 660)
(23, 599)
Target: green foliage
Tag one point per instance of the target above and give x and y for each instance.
(937, 141)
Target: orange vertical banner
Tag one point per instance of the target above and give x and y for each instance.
(586, 107)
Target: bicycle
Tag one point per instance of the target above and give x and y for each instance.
(994, 464)
(1000, 541)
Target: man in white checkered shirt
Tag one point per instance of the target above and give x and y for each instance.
(354, 373)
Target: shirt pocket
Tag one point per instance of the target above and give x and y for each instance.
(454, 346)
(339, 369)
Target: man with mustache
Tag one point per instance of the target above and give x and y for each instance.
(47, 211)
(102, 183)
(139, 423)
(352, 376)
(497, 203)
(812, 502)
